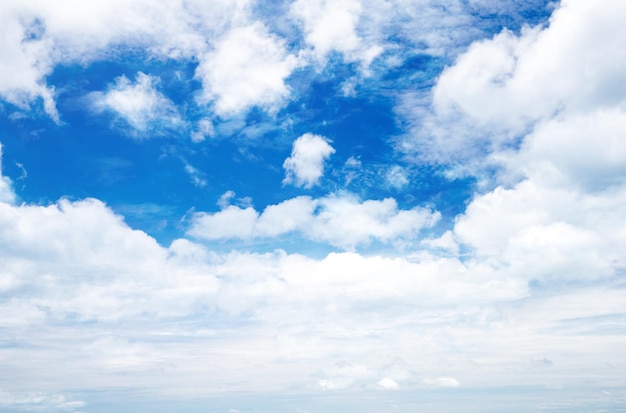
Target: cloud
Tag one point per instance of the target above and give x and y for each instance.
(203, 130)
(340, 220)
(554, 209)
(6, 189)
(396, 177)
(343, 17)
(443, 382)
(247, 68)
(140, 104)
(305, 166)
(32, 401)
(501, 87)
(197, 177)
(73, 271)
(388, 384)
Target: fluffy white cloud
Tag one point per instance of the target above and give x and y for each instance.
(248, 68)
(305, 166)
(140, 104)
(556, 213)
(499, 88)
(332, 26)
(241, 63)
(72, 271)
(571, 66)
(339, 220)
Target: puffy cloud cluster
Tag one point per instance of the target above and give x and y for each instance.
(341, 220)
(247, 68)
(501, 88)
(242, 63)
(556, 212)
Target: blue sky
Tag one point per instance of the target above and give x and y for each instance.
(312, 206)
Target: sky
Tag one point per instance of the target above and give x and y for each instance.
(312, 206)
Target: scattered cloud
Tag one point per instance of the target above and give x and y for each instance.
(204, 129)
(343, 16)
(305, 166)
(247, 68)
(140, 104)
(341, 220)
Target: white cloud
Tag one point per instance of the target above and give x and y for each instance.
(305, 166)
(501, 87)
(332, 26)
(72, 271)
(241, 64)
(197, 176)
(388, 384)
(339, 220)
(140, 104)
(556, 212)
(396, 177)
(39, 401)
(247, 68)
(443, 382)
(203, 130)
(6, 189)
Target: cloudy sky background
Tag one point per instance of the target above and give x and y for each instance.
(352, 205)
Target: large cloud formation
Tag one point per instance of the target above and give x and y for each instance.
(497, 298)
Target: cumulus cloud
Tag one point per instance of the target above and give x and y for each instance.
(556, 211)
(341, 220)
(140, 104)
(343, 16)
(305, 166)
(247, 68)
(500, 87)
(74, 270)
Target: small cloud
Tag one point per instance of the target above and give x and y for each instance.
(6, 189)
(227, 198)
(388, 384)
(443, 382)
(305, 166)
(224, 200)
(203, 130)
(396, 177)
(197, 176)
(138, 103)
